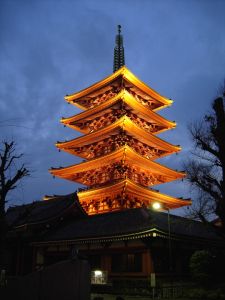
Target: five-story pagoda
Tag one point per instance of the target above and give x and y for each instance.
(119, 145)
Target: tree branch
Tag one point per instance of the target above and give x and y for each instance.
(11, 161)
(8, 157)
(206, 171)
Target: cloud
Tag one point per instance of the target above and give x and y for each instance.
(52, 48)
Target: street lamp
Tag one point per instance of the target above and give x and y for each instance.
(158, 206)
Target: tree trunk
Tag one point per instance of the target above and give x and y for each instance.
(219, 136)
(3, 234)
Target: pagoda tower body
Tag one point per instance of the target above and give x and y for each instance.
(119, 145)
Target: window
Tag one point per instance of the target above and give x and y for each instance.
(129, 262)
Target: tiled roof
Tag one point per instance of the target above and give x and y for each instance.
(127, 223)
(139, 222)
(43, 211)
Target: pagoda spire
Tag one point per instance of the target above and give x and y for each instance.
(119, 59)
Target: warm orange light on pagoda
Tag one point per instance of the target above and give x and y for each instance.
(119, 145)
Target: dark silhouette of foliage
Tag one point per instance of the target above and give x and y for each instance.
(206, 169)
(10, 176)
(201, 267)
(207, 270)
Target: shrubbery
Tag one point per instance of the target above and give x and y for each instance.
(205, 294)
(201, 267)
(208, 274)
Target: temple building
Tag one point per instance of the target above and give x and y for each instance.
(119, 144)
(110, 220)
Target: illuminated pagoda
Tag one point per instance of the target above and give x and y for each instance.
(119, 144)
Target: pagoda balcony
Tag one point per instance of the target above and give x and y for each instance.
(111, 110)
(124, 78)
(124, 194)
(123, 131)
(107, 167)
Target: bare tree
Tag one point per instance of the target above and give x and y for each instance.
(10, 176)
(206, 169)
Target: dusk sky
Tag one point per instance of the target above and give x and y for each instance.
(53, 48)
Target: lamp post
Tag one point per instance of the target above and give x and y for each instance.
(158, 206)
(170, 246)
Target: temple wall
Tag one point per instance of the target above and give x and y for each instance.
(65, 280)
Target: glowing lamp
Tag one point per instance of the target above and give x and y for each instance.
(98, 273)
(156, 205)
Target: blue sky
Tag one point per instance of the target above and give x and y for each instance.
(53, 48)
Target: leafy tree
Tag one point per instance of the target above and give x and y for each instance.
(10, 176)
(207, 268)
(206, 169)
(201, 267)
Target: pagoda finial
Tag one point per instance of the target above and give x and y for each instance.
(119, 59)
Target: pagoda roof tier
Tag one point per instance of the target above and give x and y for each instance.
(116, 165)
(137, 138)
(125, 194)
(122, 103)
(105, 88)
